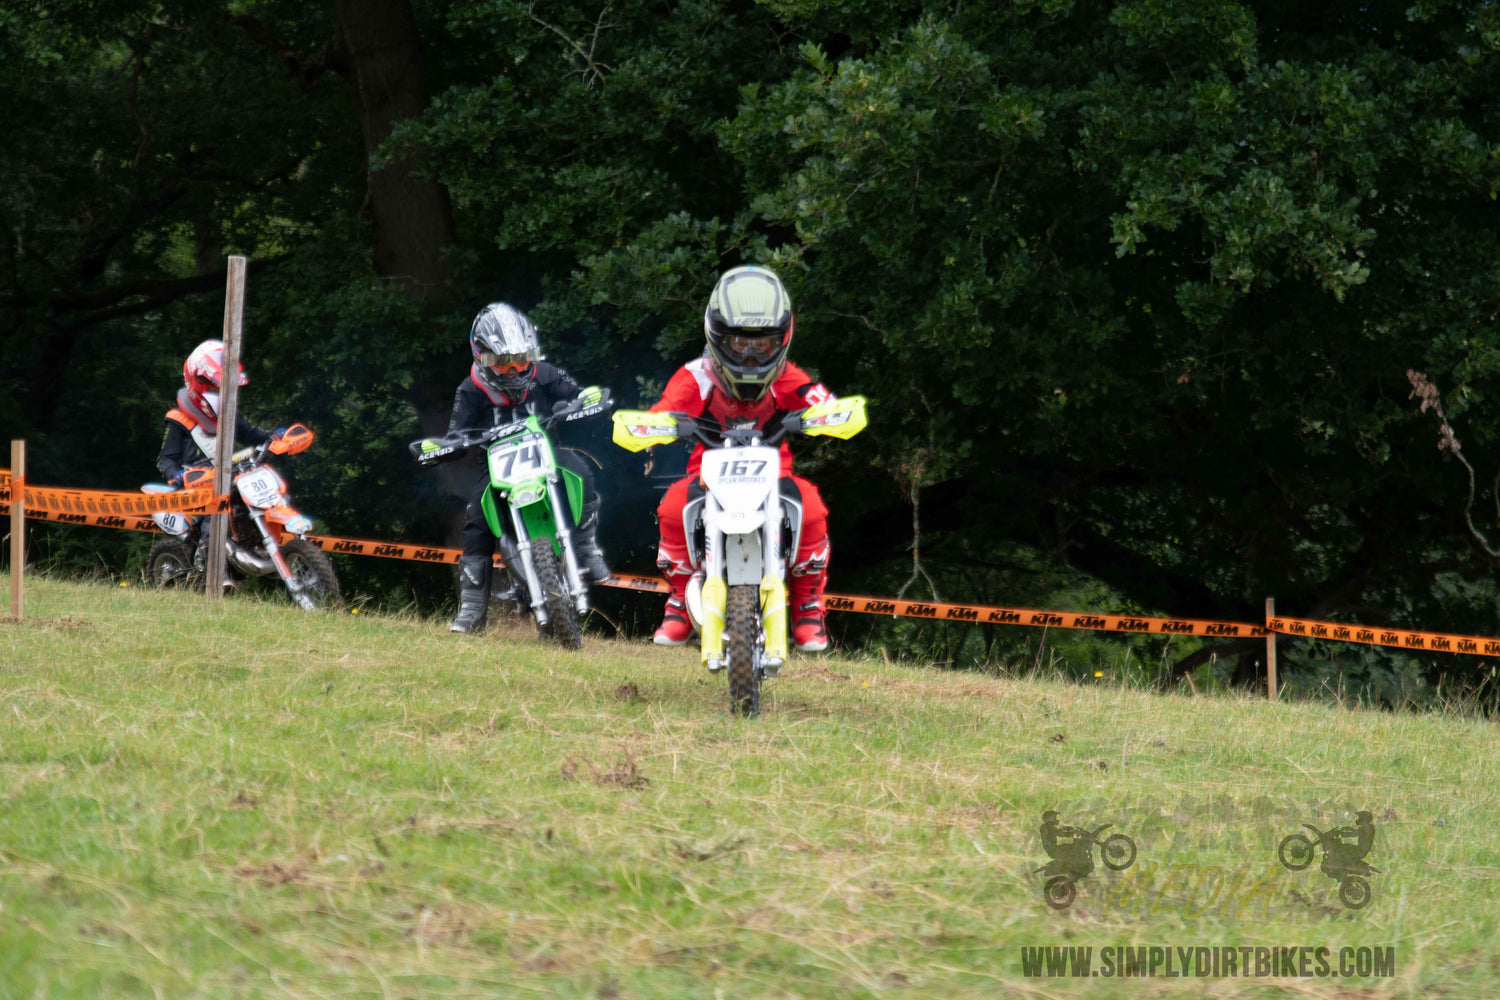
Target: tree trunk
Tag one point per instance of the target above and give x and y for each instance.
(382, 61)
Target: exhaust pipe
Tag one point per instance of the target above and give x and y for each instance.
(248, 562)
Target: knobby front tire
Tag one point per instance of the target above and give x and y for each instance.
(312, 568)
(562, 617)
(741, 635)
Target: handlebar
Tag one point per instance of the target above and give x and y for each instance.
(637, 430)
(711, 434)
(429, 450)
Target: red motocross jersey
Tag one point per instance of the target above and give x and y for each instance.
(693, 390)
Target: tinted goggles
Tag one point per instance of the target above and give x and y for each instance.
(758, 349)
(505, 362)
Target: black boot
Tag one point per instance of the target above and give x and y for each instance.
(590, 557)
(473, 594)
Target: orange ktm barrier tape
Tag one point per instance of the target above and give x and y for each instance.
(1048, 619)
(1434, 642)
(434, 554)
(134, 523)
(1306, 628)
(387, 550)
(113, 504)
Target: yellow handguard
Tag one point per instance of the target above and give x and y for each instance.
(637, 430)
(715, 597)
(840, 418)
(773, 600)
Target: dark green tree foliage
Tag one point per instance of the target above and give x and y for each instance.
(1132, 286)
(1138, 284)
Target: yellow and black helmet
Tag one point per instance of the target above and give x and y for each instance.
(748, 324)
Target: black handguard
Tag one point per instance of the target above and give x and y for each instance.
(591, 402)
(430, 451)
(687, 427)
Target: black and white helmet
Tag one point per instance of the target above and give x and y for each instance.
(505, 348)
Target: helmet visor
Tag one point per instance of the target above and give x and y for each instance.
(505, 363)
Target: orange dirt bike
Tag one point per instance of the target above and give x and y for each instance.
(265, 533)
(741, 534)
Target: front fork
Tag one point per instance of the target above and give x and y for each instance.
(528, 567)
(715, 598)
(294, 586)
(562, 514)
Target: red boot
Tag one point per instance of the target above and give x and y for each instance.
(808, 633)
(676, 628)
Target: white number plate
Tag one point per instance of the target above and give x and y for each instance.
(261, 488)
(522, 457)
(741, 467)
(741, 478)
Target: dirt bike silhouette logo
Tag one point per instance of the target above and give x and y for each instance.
(1343, 862)
(1071, 849)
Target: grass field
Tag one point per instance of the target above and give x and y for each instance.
(244, 800)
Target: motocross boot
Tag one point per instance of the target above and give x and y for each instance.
(590, 556)
(473, 594)
(808, 632)
(676, 628)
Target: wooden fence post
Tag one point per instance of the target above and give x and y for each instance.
(1270, 650)
(17, 529)
(218, 531)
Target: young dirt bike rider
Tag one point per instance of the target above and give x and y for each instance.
(744, 379)
(193, 424)
(507, 381)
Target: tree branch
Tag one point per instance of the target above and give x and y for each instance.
(592, 69)
(304, 71)
(1431, 399)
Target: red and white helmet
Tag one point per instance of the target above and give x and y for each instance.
(203, 374)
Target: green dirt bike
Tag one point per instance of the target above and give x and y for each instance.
(527, 488)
